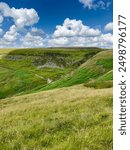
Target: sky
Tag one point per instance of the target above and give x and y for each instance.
(56, 23)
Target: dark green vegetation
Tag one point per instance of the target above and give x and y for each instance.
(56, 99)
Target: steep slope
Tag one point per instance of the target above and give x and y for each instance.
(72, 118)
(105, 81)
(93, 68)
(23, 70)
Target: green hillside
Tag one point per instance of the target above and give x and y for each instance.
(24, 70)
(104, 81)
(93, 68)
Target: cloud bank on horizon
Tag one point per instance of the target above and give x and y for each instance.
(21, 30)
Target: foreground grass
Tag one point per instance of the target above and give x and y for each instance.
(74, 118)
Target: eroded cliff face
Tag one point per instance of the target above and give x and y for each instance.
(53, 61)
(49, 60)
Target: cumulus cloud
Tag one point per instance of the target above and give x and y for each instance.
(75, 33)
(38, 32)
(104, 41)
(94, 4)
(1, 19)
(72, 32)
(109, 27)
(11, 35)
(1, 31)
(74, 28)
(34, 38)
(22, 17)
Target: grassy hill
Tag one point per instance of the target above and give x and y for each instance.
(94, 67)
(72, 118)
(56, 99)
(24, 70)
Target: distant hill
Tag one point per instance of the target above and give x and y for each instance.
(24, 70)
(93, 68)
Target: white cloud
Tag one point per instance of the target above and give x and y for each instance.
(22, 17)
(62, 41)
(11, 35)
(93, 4)
(38, 32)
(1, 19)
(5, 9)
(74, 28)
(71, 33)
(87, 3)
(109, 27)
(1, 31)
(10, 38)
(74, 33)
(104, 41)
(34, 38)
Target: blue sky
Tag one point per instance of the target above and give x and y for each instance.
(81, 23)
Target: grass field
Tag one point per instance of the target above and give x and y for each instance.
(74, 118)
(56, 99)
